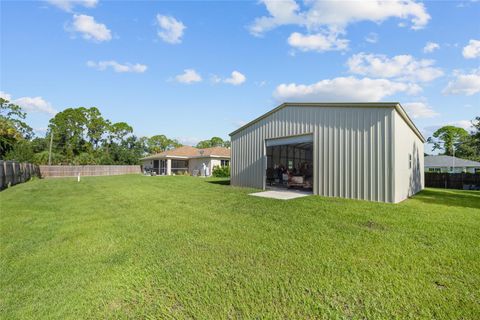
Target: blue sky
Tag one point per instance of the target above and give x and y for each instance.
(192, 70)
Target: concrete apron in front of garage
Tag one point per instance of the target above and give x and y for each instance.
(282, 194)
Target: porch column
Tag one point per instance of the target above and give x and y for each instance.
(169, 167)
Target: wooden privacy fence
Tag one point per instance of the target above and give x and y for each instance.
(90, 170)
(465, 181)
(12, 173)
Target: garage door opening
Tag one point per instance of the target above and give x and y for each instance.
(290, 163)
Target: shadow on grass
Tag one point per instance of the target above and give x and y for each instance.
(450, 197)
(220, 182)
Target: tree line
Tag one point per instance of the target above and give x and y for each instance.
(451, 140)
(83, 136)
(79, 136)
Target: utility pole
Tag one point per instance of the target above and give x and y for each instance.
(453, 168)
(50, 149)
(453, 149)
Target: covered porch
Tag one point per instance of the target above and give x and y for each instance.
(169, 166)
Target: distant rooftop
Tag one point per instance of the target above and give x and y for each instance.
(191, 152)
(447, 161)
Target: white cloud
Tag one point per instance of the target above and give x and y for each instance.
(35, 104)
(317, 42)
(430, 47)
(281, 13)
(5, 96)
(464, 83)
(188, 76)
(117, 67)
(401, 67)
(236, 78)
(342, 13)
(171, 30)
(472, 50)
(68, 5)
(31, 104)
(372, 37)
(419, 110)
(344, 89)
(90, 29)
(465, 124)
(337, 15)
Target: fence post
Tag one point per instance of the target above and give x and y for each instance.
(2, 174)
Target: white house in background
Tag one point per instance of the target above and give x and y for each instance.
(187, 159)
(450, 164)
(370, 151)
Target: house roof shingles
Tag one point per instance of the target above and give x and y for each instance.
(191, 152)
(216, 151)
(447, 161)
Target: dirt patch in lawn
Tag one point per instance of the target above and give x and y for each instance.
(372, 225)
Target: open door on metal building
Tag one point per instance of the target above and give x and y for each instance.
(290, 162)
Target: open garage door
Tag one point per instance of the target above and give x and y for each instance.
(290, 162)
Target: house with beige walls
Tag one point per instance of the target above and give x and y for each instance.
(187, 159)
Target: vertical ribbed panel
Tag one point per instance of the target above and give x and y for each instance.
(352, 149)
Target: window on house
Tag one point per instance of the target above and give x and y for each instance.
(410, 161)
(224, 163)
(179, 164)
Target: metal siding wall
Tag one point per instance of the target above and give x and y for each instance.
(352, 149)
(316, 157)
(407, 181)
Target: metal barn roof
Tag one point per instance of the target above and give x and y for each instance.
(396, 105)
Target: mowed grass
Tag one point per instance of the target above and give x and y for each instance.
(182, 247)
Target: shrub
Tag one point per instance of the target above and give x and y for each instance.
(22, 152)
(85, 159)
(221, 172)
(42, 158)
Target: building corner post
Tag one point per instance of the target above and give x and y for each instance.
(169, 167)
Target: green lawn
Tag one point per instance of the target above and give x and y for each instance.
(183, 247)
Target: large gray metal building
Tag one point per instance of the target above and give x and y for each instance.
(370, 151)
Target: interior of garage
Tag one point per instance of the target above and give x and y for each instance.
(290, 166)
